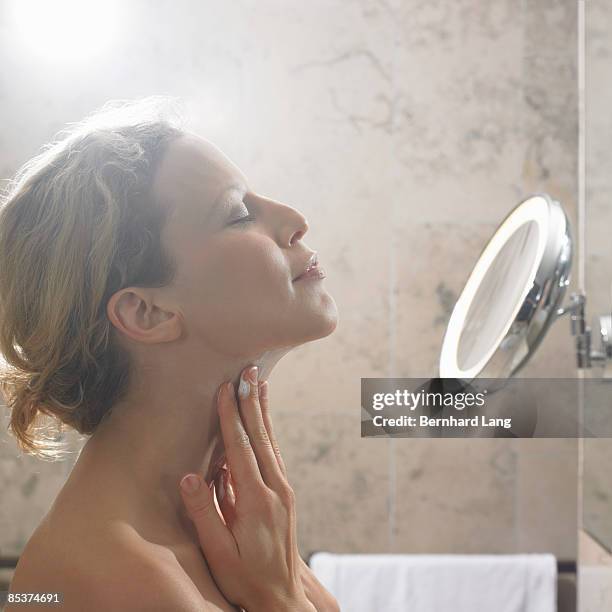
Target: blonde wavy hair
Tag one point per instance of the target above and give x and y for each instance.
(78, 222)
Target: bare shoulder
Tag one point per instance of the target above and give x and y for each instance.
(107, 569)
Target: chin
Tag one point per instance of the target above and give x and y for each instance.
(332, 320)
(324, 322)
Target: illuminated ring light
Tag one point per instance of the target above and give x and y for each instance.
(535, 209)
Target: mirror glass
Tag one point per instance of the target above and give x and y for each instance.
(499, 295)
(511, 295)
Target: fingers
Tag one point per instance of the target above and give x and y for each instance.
(267, 419)
(215, 539)
(238, 451)
(226, 497)
(251, 412)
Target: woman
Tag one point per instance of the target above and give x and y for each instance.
(139, 273)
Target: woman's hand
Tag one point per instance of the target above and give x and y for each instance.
(315, 592)
(253, 554)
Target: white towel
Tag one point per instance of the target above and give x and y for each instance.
(439, 583)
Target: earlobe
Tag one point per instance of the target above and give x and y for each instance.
(169, 329)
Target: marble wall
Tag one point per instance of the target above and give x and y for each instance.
(405, 131)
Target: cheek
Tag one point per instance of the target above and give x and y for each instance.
(247, 266)
(239, 285)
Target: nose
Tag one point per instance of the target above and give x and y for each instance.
(288, 224)
(296, 234)
(291, 225)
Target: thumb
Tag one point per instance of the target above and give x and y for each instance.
(215, 539)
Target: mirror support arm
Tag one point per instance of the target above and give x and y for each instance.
(585, 355)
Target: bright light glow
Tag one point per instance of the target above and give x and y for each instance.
(535, 209)
(64, 30)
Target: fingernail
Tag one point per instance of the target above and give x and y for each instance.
(250, 376)
(190, 483)
(243, 387)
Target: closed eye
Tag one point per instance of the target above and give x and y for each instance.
(245, 219)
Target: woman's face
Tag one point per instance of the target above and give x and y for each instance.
(237, 254)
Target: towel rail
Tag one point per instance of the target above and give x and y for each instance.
(563, 566)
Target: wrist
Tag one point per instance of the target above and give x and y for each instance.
(296, 603)
(303, 605)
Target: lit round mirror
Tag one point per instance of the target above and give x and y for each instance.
(512, 295)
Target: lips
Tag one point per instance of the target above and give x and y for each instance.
(311, 266)
(314, 272)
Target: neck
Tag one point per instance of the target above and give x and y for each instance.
(166, 427)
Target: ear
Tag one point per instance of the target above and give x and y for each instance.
(133, 312)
